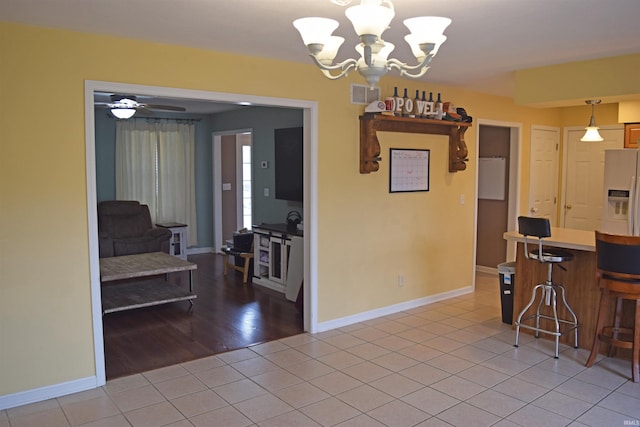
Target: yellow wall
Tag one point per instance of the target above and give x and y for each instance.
(629, 112)
(366, 236)
(564, 84)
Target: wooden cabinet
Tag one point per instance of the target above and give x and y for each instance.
(631, 135)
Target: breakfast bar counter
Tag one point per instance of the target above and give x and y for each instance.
(579, 279)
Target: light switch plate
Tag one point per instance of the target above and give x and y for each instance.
(226, 186)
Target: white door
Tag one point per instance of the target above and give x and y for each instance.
(543, 175)
(584, 184)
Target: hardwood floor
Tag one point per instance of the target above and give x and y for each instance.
(226, 315)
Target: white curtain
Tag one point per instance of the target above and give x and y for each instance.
(155, 165)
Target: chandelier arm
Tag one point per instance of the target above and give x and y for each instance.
(419, 74)
(346, 66)
(330, 76)
(393, 63)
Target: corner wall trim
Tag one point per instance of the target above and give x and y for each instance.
(47, 392)
(391, 309)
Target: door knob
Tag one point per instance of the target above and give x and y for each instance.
(533, 210)
(568, 207)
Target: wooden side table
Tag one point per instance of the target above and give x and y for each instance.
(178, 243)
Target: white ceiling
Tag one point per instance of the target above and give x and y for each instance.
(487, 41)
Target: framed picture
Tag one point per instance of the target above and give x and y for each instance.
(408, 170)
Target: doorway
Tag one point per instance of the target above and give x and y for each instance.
(233, 184)
(496, 211)
(310, 119)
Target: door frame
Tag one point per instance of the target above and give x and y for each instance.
(310, 204)
(216, 153)
(515, 161)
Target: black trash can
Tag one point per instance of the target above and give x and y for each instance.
(507, 271)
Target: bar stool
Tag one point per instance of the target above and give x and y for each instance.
(541, 228)
(618, 275)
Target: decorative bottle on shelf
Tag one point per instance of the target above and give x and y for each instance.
(439, 104)
(416, 105)
(399, 102)
(430, 105)
(406, 104)
(423, 111)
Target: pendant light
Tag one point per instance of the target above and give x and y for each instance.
(592, 134)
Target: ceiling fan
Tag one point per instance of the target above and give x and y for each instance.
(125, 106)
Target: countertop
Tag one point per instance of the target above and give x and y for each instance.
(567, 238)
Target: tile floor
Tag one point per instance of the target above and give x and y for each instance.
(448, 363)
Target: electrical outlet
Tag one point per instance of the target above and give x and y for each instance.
(266, 192)
(400, 280)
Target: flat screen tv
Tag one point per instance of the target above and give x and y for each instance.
(289, 164)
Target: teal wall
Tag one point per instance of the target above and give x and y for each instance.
(261, 120)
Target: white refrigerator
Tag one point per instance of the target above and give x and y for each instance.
(621, 192)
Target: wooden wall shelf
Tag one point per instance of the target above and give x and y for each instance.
(370, 124)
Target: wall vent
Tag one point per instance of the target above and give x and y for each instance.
(361, 94)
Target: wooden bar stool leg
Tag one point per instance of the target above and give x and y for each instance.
(635, 367)
(616, 326)
(226, 264)
(602, 312)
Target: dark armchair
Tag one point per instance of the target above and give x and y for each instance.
(125, 228)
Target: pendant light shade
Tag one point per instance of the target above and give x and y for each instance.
(592, 134)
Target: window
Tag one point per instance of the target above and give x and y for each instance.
(245, 190)
(155, 166)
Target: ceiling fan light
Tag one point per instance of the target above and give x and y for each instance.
(371, 17)
(123, 113)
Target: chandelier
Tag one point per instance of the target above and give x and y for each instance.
(370, 19)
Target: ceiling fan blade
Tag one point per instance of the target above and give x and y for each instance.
(163, 107)
(144, 111)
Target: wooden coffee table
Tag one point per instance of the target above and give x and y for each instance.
(136, 294)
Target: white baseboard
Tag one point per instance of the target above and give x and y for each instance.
(48, 392)
(195, 251)
(489, 270)
(69, 387)
(391, 309)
